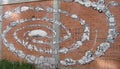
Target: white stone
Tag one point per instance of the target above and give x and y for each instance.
(110, 36)
(26, 43)
(88, 3)
(20, 54)
(39, 8)
(81, 61)
(11, 47)
(24, 8)
(68, 61)
(40, 41)
(100, 7)
(105, 46)
(12, 24)
(7, 14)
(88, 54)
(50, 51)
(34, 41)
(74, 47)
(85, 37)
(78, 1)
(111, 19)
(35, 48)
(63, 50)
(30, 47)
(79, 43)
(74, 16)
(112, 24)
(37, 61)
(49, 9)
(82, 22)
(40, 50)
(33, 19)
(86, 29)
(98, 53)
(17, 10)
(113, 3)
(30, 58)
(66, 37)
(19, 40)
(37, 33)
(23, 42)
(108, 13)
(94, 5)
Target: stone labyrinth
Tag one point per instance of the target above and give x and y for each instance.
(30, 28)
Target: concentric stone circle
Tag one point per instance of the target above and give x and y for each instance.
(89, 55)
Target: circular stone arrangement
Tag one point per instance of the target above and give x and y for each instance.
(89, 55)
(49, 9)
(104, 46)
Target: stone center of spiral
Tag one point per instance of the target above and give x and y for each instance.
(37, 33)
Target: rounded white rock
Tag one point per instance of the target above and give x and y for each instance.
(74, 16)
(24, 8)
(79, 43)
(37, 33)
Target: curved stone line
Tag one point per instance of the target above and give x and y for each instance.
(33, 47)
(36, 25)
(10, 46)
(86, 33)
(112, 34)
(63, 50)
(30, 58)
(103, 47)
(38, 35)
(21, 54)
(48, 51)
(74, 16)
(48, 9)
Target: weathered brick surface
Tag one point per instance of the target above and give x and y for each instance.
(94, 19)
